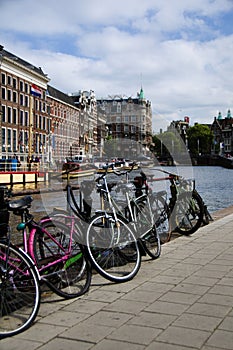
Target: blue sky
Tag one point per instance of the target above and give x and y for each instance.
(179, 51)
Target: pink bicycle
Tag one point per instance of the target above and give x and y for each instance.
(53, 249)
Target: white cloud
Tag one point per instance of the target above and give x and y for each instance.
(176, 49)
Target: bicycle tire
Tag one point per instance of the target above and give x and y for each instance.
(117, 261)
(161, 213)
(189, 213)
(146, 229)
(19, 291)
(69, 278)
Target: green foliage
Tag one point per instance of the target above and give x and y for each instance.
(200, 139)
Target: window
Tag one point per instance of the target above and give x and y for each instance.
(26, 88)
(3, 114)
(3, 93)
(26, 118)
(21, 99)
(21, 118)
(118, 128)
(26, 101)
(14, 116)
(14, 141)
(9, 80)
(3, 79)
(126, 118)
(118, 119)
(14, 96)
(14, 83)
(9, 115)
(3, 139)
(9, 95)
(118, 107)
(9, 139)
(133, 118)
(133, 129)
(21, 85)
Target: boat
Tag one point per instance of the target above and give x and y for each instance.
(76, 170)
(226, 161)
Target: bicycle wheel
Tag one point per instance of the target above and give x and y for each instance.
(65, 270)
(146, 228)
(188, 213)
(112, 248)
(19, 291)
(161, 213)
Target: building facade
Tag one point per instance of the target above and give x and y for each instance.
(39, 121)
(223, 134)
(128, 119)
(24, 118)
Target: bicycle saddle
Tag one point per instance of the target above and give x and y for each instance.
(21, 203)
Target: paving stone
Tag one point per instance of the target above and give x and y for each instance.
(15, 343)
(107, 318)
(191, 288)
(222, 339)
(142, 295)
(209, 309)
(103, 295)
(227, 324)
(164, 346)
(135, 334)
(179, 297)
(64, 318)
(85, 306)
(107, 344)
(168, 308)
(41, 332)
(216, 299)
(184, 336)
(206, 323)
(221, 289)
(150, 319)
(61, 344)
(87, 332)
(155, 287)
(126, 306)
(203, 281)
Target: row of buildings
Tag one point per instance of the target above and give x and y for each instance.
(39, 120)
(222, 128)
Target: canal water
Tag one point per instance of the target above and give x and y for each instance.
(213, 183)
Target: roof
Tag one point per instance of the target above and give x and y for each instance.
(20, 61)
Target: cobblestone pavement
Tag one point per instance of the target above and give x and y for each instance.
(182, 301)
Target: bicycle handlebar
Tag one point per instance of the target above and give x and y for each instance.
(115, 172)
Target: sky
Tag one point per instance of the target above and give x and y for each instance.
(180, 52)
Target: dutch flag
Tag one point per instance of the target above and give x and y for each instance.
(35, 90)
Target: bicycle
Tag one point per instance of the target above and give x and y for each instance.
(52, 248)
(137, 210)
(185, 210)
(19, 282)
(107, 240)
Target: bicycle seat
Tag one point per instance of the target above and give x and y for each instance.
(21, 203)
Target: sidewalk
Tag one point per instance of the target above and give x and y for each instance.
(182, 301)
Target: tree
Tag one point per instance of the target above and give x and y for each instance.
(200, 139)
